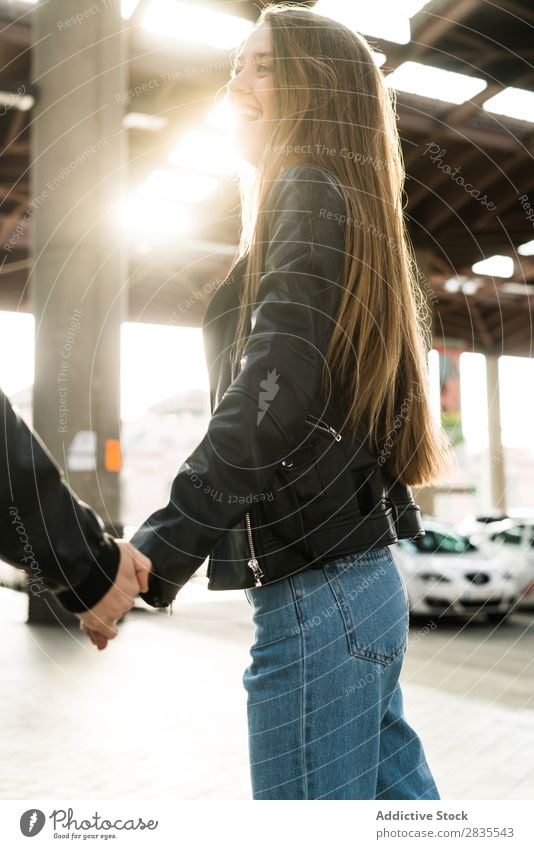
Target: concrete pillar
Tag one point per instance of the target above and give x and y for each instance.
(496, 452)
(425, 497)
(79, 269)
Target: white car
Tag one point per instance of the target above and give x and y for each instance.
(511, 542)
(484, 523)
(446, 574)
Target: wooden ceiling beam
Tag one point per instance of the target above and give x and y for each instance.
(518, 10)
(480, 323)
(12, 194)
(15, 128)
(427, 29)
(415, 120)
(526, 186)
(484, 182)
(438, 177)
(9, 222)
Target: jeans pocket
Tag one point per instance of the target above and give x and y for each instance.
(371, 596)
(274, 613)
(403, 583)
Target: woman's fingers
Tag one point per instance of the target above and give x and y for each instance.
(139, 562)
(143, 567)
(97, 639)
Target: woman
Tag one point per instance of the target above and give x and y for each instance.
(320, 421)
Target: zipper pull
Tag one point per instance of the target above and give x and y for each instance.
(320, 425)
(256, 569)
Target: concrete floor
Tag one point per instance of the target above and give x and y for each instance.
(162, 712)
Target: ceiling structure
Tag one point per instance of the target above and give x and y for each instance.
(470, 174)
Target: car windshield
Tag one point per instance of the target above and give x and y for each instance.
(440, 542)
(511, 536)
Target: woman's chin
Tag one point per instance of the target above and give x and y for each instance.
(250, 154)
(248, 145)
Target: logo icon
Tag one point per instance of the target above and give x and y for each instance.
(270, 389)
(32, 822)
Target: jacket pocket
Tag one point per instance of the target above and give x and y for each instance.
(300, 473)
(370, 594)
(295, 486)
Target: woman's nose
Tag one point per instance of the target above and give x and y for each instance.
(239, 82)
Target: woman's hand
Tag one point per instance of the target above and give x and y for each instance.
(99, 623)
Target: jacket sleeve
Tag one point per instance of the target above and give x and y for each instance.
(44, 528)
(260, 416)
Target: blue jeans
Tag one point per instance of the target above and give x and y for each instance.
(324, 705)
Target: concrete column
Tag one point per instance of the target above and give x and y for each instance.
(425, 497)
(79, 268)
(496, 452)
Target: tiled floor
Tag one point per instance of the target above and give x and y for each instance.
(162, 712)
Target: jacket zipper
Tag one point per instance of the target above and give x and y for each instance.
(322, 425)
(253, 562)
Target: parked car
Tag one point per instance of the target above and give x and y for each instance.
(447, 574)
(485, 523)
(511, 542)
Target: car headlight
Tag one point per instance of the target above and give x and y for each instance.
(434, 577)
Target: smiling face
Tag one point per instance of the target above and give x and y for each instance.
(251, 94)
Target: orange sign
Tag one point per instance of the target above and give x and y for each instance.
(113, 456)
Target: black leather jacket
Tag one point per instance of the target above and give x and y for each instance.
(45, 529)
(276, 485)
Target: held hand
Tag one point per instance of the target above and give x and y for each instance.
(99, 623)
(97, 639)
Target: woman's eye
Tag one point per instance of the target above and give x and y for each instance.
(261, 68)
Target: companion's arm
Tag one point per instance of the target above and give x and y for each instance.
(44, 528)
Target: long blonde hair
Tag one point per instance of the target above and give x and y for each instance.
(331, 98)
